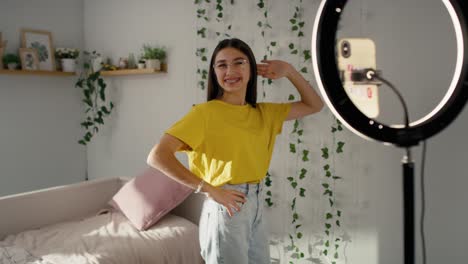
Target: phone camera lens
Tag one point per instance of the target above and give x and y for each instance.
(345, 49)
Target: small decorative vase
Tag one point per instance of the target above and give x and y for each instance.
(68, 65)
(131, 61)
(123, 63)
(153, 64)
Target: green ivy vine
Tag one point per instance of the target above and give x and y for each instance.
(265, 28)
(333, 240)
(297, 24)
(296, 146)
(220, 18)
(201, 71)
(269, 195)
(296, 183)
(201, 52)
(93, 87)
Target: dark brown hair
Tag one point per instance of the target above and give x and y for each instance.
(215, 90)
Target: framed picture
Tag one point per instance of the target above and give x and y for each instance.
(3, 43)
(41, 41)
(29, 59)
(1, 58)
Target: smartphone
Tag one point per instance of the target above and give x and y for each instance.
(357, 54)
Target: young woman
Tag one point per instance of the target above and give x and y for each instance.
(229, 141)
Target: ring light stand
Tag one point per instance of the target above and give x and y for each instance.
(406, 136)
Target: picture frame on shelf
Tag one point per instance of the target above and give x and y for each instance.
(1, 58)
(2, 49)
(29, 59)
(41, 41)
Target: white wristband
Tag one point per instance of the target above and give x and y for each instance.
(200, 186)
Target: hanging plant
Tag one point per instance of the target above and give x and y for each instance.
(202, 72)
(93, 88)
(201, 12)
(269, 195)
(219, 8)
(264, 10)
(304, 57)
(265, 28)
(297, 24)
(296, 183)
(333, 240)
(220, 18)
(201, 52)
(296, 145)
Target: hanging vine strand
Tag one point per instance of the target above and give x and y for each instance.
(333, 239)
(296, 146)
(201, 52)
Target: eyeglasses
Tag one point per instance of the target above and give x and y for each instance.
(238, 64)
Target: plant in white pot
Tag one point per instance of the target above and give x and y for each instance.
(67, 57)
(141, 62)
(153, 56)
(11, 60)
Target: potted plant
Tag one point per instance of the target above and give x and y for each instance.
(11, 60)
(153, 56)
(141, 63)
(67, 57)
(94, 97)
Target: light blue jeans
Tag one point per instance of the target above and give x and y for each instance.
(240, 239)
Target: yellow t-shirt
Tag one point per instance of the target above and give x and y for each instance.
(230, 143)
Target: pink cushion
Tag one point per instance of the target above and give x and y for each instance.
(148, 197)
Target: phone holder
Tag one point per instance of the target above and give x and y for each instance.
(365, 76)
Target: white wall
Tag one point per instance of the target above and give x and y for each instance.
(145, 105)
(40, 115)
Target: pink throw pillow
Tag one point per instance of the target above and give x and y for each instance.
(148, 197)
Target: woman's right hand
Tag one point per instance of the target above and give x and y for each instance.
(230, 199)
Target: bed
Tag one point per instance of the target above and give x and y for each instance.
(75, 224)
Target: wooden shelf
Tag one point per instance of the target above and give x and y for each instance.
(103, 73)
(29, 72)
(130, 72)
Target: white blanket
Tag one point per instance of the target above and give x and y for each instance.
(14, 255)
(110, 238)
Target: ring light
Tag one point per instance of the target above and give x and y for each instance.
(410, 134)
(330, 85)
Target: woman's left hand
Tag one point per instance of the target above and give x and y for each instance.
(274, 69)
